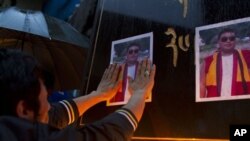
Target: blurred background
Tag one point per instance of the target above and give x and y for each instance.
(173, 112)
(66, 52)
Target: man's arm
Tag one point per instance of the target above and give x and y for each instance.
(140, 88)
(111, 81)
(67, 111)
(63, 113)
(121, 124)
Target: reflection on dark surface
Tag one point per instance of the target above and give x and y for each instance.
(160, 11)
(173, 112)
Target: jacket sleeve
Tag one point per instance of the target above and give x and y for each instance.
(118, 126)
(63, 113)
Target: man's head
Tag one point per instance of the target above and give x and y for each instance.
(22, 91)
(132, 54)
(227, 41)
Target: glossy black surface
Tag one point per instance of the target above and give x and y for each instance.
(173, 112)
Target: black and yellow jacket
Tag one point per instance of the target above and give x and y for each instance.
(118, 126)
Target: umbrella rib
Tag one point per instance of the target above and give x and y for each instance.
(33, 29)
(68, 62)
(52, 57)
(26, 24)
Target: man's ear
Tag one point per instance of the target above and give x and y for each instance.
(23, 112)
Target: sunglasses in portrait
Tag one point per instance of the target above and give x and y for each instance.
(225, 39)
(135, 51)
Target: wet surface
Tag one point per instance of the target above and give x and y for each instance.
(173, 112)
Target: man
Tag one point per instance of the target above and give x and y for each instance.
(131, 62)
(226, 72)
(24, 106)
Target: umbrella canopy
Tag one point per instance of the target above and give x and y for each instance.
(36, 23)
(57, 45)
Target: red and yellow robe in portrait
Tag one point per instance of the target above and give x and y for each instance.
(240, 78)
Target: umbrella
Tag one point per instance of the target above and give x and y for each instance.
(56, 44)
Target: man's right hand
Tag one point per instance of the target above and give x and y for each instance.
(111, 82)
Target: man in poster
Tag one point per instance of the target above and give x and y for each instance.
(226, 72)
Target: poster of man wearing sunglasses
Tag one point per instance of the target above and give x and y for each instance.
(223, 61)
(130, 51)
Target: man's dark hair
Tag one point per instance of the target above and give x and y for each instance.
(226, 30)
(19, 80)
(133, 44)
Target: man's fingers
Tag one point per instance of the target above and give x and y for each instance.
(115, 73)
(149, 65)
(152, 73)
(111, 70)
(138, 71)
(121, 73)
(105, 74)
(143, 68)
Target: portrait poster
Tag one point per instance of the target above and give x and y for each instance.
(222, 58)
(130, 51)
